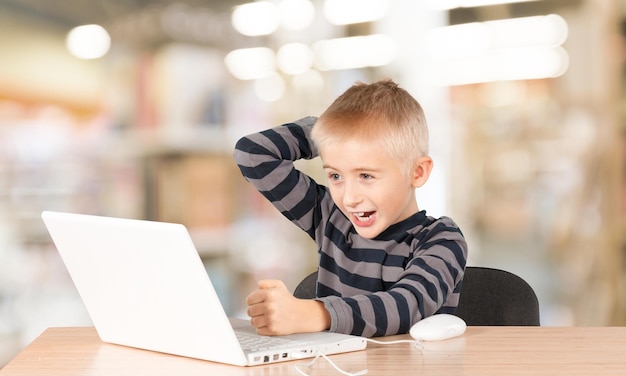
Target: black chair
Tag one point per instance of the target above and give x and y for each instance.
(494, 297)
(489, 297)
(307, 287)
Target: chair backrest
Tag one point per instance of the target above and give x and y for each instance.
(307, 287)
(489, 297)
(494, 297)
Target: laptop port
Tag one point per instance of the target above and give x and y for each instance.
(275, 357)
(266, 359)
(284, 355)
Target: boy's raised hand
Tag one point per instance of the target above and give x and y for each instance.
(274, 311)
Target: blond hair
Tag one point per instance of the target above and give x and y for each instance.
(381, 112)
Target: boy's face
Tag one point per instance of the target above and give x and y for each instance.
(370, 187)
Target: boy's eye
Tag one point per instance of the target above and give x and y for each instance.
(334, 176)
(366, 176)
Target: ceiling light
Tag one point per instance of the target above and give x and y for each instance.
(251, 63)
(257, 18)
(294, 58)
(511, 49)
(343, 12)
(473, 38)
(88, 41)
(452, 4)
(499, 65)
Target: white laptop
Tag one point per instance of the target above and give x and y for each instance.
(144, 286)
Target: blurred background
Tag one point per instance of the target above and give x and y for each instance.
(131, 108)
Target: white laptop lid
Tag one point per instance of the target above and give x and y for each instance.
(144, 285)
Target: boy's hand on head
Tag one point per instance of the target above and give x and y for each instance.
(274, 311)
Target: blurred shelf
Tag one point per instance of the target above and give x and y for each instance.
(197, 139)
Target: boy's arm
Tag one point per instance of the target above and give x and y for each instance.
(429, 284)
(266, 161)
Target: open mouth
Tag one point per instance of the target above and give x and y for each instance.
(363, 216)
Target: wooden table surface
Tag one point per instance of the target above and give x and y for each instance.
(596, 351)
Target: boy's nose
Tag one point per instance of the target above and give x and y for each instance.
(351, 195)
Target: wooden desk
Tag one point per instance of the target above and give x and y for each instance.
(481, 351)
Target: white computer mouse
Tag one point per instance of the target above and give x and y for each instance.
(438, 327)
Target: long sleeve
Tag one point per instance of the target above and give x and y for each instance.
(266, 161)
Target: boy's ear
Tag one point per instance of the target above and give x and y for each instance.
(421, 171)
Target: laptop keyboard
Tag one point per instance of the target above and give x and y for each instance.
(252, 342)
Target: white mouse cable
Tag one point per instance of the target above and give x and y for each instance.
(321, 354)
(418, 345)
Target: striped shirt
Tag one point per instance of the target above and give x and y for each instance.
(370, 287)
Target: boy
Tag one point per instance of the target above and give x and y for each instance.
(383, 263)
